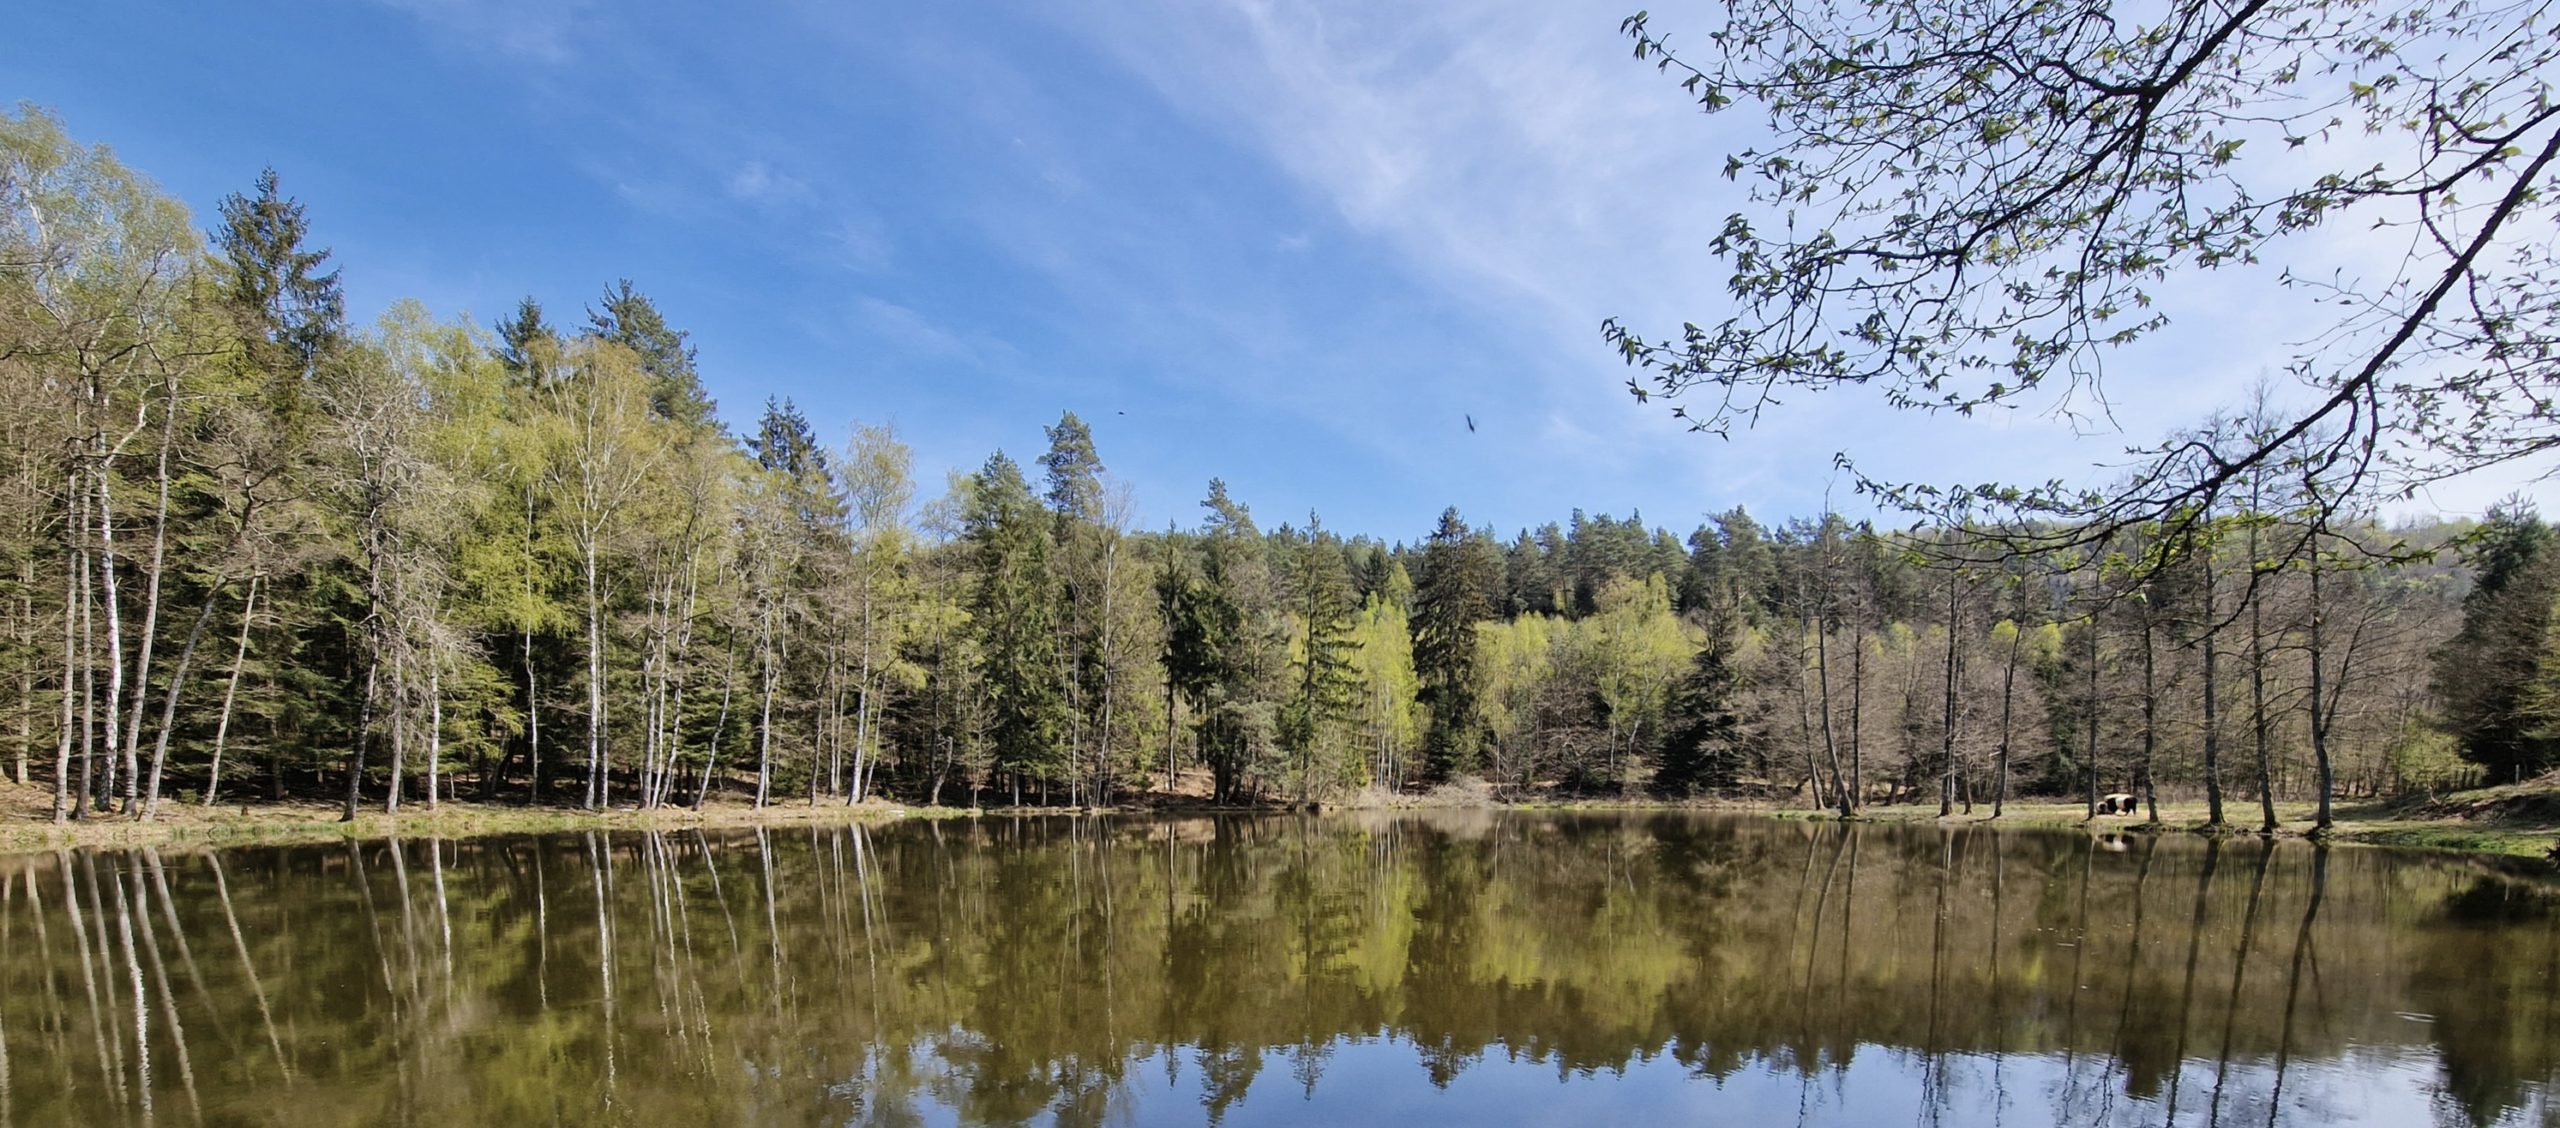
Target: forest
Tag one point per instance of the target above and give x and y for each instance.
(253, 550)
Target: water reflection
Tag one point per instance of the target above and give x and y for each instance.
(1500, 968)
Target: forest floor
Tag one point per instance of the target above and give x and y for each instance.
(26, 824)
(2520, 820)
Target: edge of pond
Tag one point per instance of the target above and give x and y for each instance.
(304, 823)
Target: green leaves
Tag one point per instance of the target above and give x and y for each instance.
(1959, 203)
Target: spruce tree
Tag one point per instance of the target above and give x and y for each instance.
(2486, 675)
(1328, 681)
(1232, 615)
(1460, 573)
(527, 345)
(1708, 743)
(295, 312)
(1082, 561)
(628, 318)
(1015, 610)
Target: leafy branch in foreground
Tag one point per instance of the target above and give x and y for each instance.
(1965, 204)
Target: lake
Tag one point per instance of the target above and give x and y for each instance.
(1461, 966)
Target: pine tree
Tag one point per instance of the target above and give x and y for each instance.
(1083, 562)
(628, 318)
(1460, 571)
(527, 345)
(2485, 673)
(1709, 742)
(1232, 612)
(296, 312)
(1328, 681)
(290, 314)
(1074, 470)
(1015, 609)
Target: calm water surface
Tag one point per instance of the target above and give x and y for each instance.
(1500, 969)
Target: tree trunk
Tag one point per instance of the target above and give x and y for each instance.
(1857, 713)
(1110, 569)
(2150, 719)
(231, 692)
(595, 796)
(532, 690)
(719, 729)
(2094, 700)
(399, 711)
(1947, 733)
(1831, 748)
(2212, 702)
(532, 727)
(30, 653)
(2008, 689)
(73, 570)
(862, 702)
(88, 684)
(826, 727)
(2258, 693)
(150, 639)
(1804, 715)
(355, 751)
(2319, 700)
(764, 726)
(169, 704)
(114, 736)
(435, 732)
(681, 670)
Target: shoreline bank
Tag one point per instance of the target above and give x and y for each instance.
(25, 825)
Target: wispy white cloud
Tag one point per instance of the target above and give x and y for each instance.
(1512, 154)
(1513, 158)
(754, 182)
(1336, 229)
(859, 241)
(908, 331)
(544, 31)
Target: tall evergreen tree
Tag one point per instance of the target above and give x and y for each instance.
(629, 319)
(1709, 741)
(1090, 560)
(1233, 606)
(1074, 470)
(1328, 682)
(1453, 593)
(1015, 607)
(527, 345)
(2483, 676)
(297, 311)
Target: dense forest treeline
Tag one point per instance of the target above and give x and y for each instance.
(251, 549)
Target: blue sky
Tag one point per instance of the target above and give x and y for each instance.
(1295, 246)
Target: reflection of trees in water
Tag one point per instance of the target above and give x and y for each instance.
(1014, 970)
(2239, 973)
(2484, 975)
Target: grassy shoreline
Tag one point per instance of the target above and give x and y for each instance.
(2513, 822)
(2507, 822)
(26, 827)
(2358, 823)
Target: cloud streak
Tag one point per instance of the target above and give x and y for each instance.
(544, 31)
(1514, 155)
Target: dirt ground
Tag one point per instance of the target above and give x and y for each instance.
(2520, 819)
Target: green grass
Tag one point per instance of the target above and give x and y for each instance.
(30, 829)
(2519, 820)
(2510, 821)
(2534, 843)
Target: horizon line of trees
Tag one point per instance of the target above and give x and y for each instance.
(251, 548)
